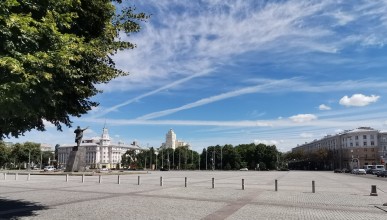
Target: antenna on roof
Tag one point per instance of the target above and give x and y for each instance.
(104, 125)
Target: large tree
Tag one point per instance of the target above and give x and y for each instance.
(52, 55)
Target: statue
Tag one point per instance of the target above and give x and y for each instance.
(78, 135)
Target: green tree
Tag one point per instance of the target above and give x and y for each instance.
(5, 153)
(52, 54)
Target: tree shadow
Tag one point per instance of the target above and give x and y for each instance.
(13, 209)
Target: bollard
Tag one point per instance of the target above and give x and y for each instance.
(373, 191)
(118, 180)
(83, 178)
(161, 181)
(5, 176)
(276, 185)
(243, 184)
(28, 177)
(67, 178)
(15, 176)
(138, 181)
(100, 179)
(213, 183)
(185, 182)
(313, 187)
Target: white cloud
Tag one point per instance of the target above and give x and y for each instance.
(358, 100)
(324, 107)
(306, 135)
(268, 142)
(301, 118)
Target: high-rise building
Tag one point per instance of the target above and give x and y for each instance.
(172, 142)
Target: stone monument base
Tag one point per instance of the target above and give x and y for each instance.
(76, 161)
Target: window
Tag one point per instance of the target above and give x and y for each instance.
(356, 137)
(372, 143)
(364, 136)
(351, 144)
(365, 143)
(357, 143)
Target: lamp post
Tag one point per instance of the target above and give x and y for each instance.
(213, 161)
(29, 159)
(157, 153)
(41, 158)
(206, 157)
(221, 158)
(162, 158)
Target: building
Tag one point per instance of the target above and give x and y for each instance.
(351, 148)
(172, 142)
(100, 152)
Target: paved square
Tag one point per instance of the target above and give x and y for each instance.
(337, 196)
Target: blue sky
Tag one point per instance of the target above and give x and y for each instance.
(235, 72)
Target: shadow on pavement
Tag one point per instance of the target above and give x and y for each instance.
(13, 209)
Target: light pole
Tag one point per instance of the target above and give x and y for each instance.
(29, 159)
(157, 153)
(41, 158)
(221, 158)
(162, 158)
(206, 157)
(213, 161)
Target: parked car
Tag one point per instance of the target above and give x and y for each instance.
(337, 171)
(345, 170)
(164, 169)
(354, 171)
(382, 174)
(244, 169)
(361, 172)
(49, 168)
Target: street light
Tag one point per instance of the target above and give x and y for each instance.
(157, 153)
(29, 159)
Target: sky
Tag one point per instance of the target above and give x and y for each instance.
(243, 71)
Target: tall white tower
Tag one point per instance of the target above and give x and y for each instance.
(105, 138)
(170, 140)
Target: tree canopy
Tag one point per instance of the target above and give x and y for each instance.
(52, 55)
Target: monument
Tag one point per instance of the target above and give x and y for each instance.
(76, 161)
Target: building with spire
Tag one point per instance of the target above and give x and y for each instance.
(100, 152)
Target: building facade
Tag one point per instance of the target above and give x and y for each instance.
(172, 142)
(351, 148)
(100, 152)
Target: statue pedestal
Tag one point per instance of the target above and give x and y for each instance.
(76, 161)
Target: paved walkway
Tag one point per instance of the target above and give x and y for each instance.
(337, 196)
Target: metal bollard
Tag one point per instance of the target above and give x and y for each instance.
(313, 187)
(67, 178)
(213, 183)
(100, 179)
(28, 177)
(243, 184)
(161, 181)
(118, 179)
(373, 191)
(15, 176)
(83, 178)
(276, 185)
(185, 182)
(138, 181)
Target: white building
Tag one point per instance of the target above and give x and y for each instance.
(360, 146)
(172, 142)
(100, 152)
